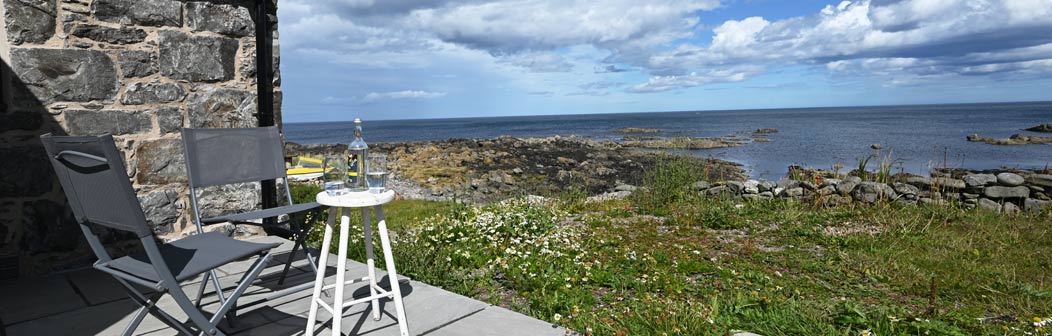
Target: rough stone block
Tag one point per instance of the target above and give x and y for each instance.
(162, 208)
(49, 227)
(160, 162)
(1009, 179)
(197, 58)
(229, 199)
(139, 12)
(1043, 180)
(137, 63)
(66, 74)
(151, 93)
(986, 203)
(846, 186)
(999, 192)
(905, 189)
(871, 192)
(97, 122)
(979, 180)
(106, 34)
(222, 108)
(169, 119)
(29, 21)
(219, 18)
(27, 171)
(1034, 205)
(919, 181)
(946, 182)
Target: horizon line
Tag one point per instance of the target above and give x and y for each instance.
(682, 111)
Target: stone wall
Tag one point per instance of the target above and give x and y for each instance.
(138, 69)
(1004, 192)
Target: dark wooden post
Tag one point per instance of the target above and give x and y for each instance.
(265, 92)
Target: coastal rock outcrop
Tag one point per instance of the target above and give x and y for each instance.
(637, 130)
(1047, 128)
(489, 169)
(1015, 139)
(682, 142)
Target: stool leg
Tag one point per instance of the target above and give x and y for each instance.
(385, 243)
(319, 276)
(341, 270)
(368, 228)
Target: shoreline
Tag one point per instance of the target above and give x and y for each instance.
(489, 169)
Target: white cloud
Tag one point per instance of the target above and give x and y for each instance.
(516, 25)
(891, 37)
(538, 62)
(665, 83)
(400, 95)
(897, 41)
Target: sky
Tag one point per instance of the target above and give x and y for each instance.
(412, 59)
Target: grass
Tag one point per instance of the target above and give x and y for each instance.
(665, 261)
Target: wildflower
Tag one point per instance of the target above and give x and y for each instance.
(866, 333)
(557, 317)
(1041, 322)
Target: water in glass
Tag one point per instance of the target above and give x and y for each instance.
(334, 174)
(376, 173)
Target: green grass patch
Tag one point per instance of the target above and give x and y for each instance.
(705, 266)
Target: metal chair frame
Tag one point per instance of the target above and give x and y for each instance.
(297, 222)
(167, 283)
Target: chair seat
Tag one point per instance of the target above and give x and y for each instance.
(265, 213)
(191, 256)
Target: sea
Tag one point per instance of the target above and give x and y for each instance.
(917, 138)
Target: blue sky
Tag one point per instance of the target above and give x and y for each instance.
(408, 59)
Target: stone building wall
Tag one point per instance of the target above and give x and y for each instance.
(138, 69)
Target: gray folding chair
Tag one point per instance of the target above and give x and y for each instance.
(220, 156)
(94, 179)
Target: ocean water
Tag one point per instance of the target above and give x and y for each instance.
(917, 137)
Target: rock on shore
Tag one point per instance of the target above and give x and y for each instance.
(637, 130)
(1015, 139)
(1046, 128)
(495, 168)
(682, 142)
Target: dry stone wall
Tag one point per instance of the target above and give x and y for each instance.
(137, 69)
(1004, 192)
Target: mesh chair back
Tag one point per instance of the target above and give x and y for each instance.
(216, 156)
(92, 174)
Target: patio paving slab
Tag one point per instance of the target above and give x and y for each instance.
(88, 302)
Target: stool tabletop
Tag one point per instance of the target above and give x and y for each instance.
(358, 199)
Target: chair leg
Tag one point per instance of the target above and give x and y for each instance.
(288, 263)
(301, 242)
(219, 287)
(196, 317)
(201, 289)
(151, 307)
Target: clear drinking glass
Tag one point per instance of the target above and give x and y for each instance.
(376, 172)
(334, 174)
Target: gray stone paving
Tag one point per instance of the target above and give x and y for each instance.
(87, 302)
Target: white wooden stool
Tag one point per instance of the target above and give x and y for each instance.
(343, 204)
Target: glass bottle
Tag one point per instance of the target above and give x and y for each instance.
(357, 151)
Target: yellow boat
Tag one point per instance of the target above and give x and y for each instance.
(308, 169)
